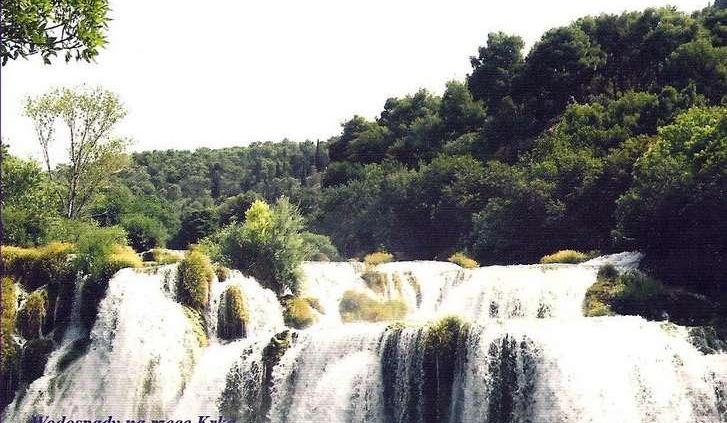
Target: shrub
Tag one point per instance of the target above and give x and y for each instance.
(222, 272)
(96, 248)
(379, 257)
(358, 306)
(376, 281)
(318, 246)
(194, 276)
(35, 267)
(268, 245)
(565, 256)
(144, 232)
(34, 358)
(462, 260)
(32, 315)
(298, 313)
(233, 314)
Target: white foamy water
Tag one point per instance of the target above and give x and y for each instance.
(523, 353)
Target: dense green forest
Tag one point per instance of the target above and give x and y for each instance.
(608, 134)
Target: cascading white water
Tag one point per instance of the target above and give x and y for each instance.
(520, 351)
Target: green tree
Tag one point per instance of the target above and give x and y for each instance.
(459, 112)
(93, 154)
(143, 232)
(269, 245)
(27, 208)
(49, 27)
(495, 68)
(675, 208)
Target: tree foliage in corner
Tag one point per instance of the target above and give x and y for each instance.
(48, 27)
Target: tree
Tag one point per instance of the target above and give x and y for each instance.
(269, 245)
(674, 212)
(26, 208)
(48, 27)
(94, 155)
(459, 112)
(494, 69)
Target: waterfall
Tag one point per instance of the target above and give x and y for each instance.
(495, 344)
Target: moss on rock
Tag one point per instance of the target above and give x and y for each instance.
(32, 315)
(565, 256)
(377, 258)
(298, 313)
(233, 314)
(194, 276)
(9, 348)
(358, 306)
(462, 260)
(629, 293)
(35, 267)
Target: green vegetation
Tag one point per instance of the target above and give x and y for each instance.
(10, 357)
(379, 257)
(144, 232)
(269, 245)
(298, 312)
(32, 315)
(233, 314)
(93, 156)
(462, 260)
(632, 292)
(319, 247)
(358, 306)
(672, 208)
(194, 276)
(565, 256)
(35, 267)
(77, 29)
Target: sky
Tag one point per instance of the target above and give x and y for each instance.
(234, 72)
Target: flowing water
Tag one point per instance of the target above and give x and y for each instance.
(519, 350)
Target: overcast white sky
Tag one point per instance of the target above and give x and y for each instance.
(223, 73)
